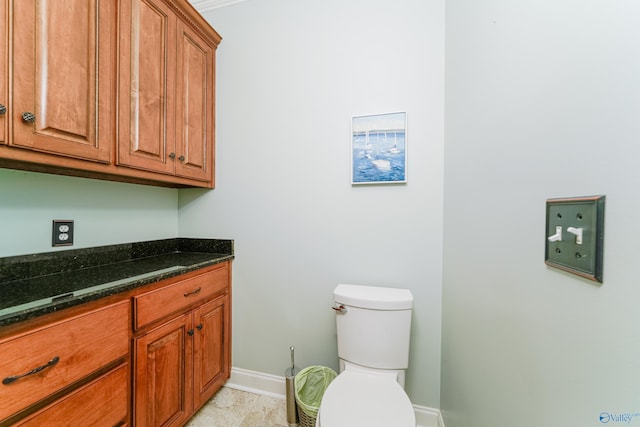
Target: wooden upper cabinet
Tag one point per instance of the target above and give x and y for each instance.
(147, 68)
(166, 98)
(122, 90)
(194, 105)
(63, 74)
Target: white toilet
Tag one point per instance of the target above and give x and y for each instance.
(373, 326)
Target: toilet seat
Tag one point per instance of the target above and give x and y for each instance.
(365, 399)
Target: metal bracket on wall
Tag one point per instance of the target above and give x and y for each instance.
(574, 238)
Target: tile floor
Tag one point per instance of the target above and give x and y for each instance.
(236, 408)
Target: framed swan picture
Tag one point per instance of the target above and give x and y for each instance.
(379, 149)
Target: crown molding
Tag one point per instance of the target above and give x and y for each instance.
(206, 5)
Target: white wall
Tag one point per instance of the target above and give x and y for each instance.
(542, 101)
(291, 74)
(104, 213)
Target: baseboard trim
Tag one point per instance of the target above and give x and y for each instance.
(440, 419)
(274, 386)
(427, 417)
(257, 382)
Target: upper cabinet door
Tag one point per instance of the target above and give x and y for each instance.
(63, 72)
(146, 107)
(194, 105)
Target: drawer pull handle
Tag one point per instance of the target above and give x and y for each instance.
(193, 292)
(50, 363)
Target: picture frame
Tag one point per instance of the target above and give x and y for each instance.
(379, 149)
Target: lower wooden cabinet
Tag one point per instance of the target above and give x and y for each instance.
(180, 364)
(185, 359)
(163, 362)
(43, 364)
(103, 402)
(148, 357)
(211, 350)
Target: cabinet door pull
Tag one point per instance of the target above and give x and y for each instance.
(181, 158)
(190, 332)
(200, 326)
(3, 109)
(193, 292)
(28, 117)
(172, 156)
(50, 363)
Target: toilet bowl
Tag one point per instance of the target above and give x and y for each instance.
(373, 328)
(356, 399)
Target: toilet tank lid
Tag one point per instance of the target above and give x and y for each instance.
(373, 297)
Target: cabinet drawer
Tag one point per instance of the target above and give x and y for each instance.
(156, 304)
(60, 354)
(103, 402)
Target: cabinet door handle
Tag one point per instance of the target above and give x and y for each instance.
(190, 332)
(181, 158)
(193, 292)
(50, 363)
(28, 117)
(200, 326)
(3, 109)
(172, 156)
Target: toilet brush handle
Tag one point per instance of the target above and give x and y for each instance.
(292, 349)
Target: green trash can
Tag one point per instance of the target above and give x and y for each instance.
(310, 385)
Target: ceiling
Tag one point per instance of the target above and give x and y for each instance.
(205, 5)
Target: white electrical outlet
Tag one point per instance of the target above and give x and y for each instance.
(62, 232)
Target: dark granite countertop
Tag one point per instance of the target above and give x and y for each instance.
(33, 285)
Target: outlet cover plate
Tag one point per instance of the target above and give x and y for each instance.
(583, 214)
(62, 232)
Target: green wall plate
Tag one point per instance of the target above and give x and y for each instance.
(574, 238)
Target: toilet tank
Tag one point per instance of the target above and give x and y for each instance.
(375, 325)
